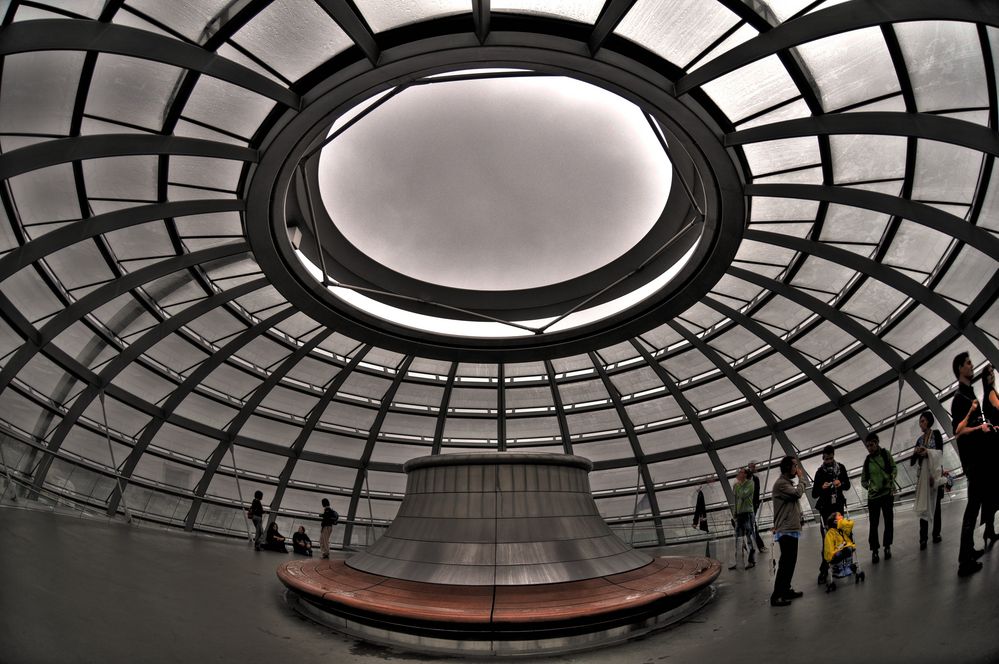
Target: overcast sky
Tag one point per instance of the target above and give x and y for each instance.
(496, 184)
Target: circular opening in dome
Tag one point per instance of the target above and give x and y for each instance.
(494, 183)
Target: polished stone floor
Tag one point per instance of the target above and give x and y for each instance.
(79, 590)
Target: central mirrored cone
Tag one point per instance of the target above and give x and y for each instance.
(496, 183)
(498, 519)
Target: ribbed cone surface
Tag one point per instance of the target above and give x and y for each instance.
(498, 518)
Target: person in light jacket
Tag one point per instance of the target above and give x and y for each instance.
(786, 496)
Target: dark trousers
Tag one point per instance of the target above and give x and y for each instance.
(969, 522)
(756, 533)
(924, 525)
(785, 569)
(878, 507)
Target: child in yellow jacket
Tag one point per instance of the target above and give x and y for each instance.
(839, 537)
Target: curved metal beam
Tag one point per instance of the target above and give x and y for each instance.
(129, 355)
(636, 447)
(73, 35)
(563, 423)
(77, 231)
(369, 447)
(920, 213)
(743, 386)
(442, 410)
(94, 146)
(101, 296)
(182, 391)
(835, 20)
(857, 331)
(707, 442)
(310, 426)
(797, 359)
(248, 408)
(343, 12)
(897, 280)
(881, 123)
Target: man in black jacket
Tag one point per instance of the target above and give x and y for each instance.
(831, 480)
(971, 432)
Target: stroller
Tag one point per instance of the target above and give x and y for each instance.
(840, 551)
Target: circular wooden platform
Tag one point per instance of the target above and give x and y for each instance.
(499, 620)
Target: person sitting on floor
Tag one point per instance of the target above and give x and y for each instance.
(301, 543)
(273, 540)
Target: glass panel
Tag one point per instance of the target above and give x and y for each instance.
(916, 247)
(38, 91)
(532, 427)
(857, 158)
(731, 424)
(46, 194)
(946, 172)
(655, 410)
(227, 107)
(383, 16)
(409, 425)
(752, 88)
(188, 17)
(797, 400)
(766, 208)
(599, 421)
(131, 90)
(970, 273)
(293, 37)
(945, 64)
(770, 156)
(584, 11)
(677, 30)
(858, 370)
(850, 67)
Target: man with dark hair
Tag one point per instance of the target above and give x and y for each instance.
(751, 472)
(256, 515)
(971, 433)
(831, 480)
(330, 517)
(787, 527)
(878, 477)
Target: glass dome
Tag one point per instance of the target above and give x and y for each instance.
(164, 353)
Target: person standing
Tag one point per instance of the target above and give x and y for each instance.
(743, 512)
(256, 515)
(878, 477)
(756, 505)
(786, 495)
(971, 433)
(831, 480)
(929, 440)
(990, 412)
(330, 518)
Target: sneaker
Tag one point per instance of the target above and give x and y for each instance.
(937, 539)
(887, 553)
(780, 601)
(734, 567)
(875, 558)
(793, 594)
(823, 579)
(750, 565)
(922, 545)
(967, 569)
(977, 553)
